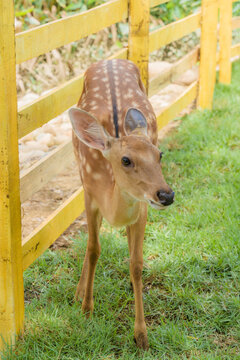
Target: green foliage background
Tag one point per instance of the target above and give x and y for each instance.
(173, 10)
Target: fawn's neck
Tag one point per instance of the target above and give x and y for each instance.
(121, 209)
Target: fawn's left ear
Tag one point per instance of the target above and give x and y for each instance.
(135, 121)
(88, 130)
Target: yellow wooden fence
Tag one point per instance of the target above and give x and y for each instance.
(16, 254)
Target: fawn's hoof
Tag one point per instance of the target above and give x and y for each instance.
(141, 340)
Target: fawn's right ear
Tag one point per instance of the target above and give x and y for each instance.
(88, 130)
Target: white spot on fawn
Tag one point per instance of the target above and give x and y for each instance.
(134, 104)
(96, 176)
(98, 96)
(88, 168)
(95, 155)
(95, 107)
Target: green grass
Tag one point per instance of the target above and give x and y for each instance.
(191, 251)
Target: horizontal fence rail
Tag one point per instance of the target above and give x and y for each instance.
(47, 107)
(236, 22)
(154, 3)
(235, 50)
(170, 74)
(174, 31)
(45, 234)
(173, 110)
(44, 38)
(39, 174)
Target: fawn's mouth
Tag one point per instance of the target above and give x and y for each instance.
(156, 205)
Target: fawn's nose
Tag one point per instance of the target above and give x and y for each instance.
(165, 198)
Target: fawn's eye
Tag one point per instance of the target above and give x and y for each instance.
(126, 161)
(161, 155)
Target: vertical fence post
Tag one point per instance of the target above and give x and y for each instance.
(208, 53)
(138, 43)
(11, 274)
(225, 41)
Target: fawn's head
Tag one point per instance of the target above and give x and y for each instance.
(135, 161)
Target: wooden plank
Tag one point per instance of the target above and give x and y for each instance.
(187, 62)
(46, 233)
(160, 81)
(154, 3)
(44, 38)
(35, 177)
(48, 106)
(177, 105)
(11, 273)
(121, 54)
(235, 50)
(138, 40)
(208, 57)
(225, 42)
(174, 31)
(235, 22)
(170, 74)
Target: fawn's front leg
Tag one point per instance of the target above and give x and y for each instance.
(135, 235)
(85, 285)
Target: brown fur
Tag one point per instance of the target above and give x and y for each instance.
(118, 193)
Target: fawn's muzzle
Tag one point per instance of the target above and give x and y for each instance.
(165, 198)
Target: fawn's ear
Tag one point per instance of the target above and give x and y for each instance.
(88, 130)
(135, 121)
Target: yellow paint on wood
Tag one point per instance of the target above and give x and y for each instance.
(177, 105)
(48, 106)
(235, 50)
(121, 54)
(208, 46)
(225, 42)
(158, 82)
(235, 22)
(154, 3)
(171, 73)
(174, 31)
(187, 62)
(35, 177)
(138, 41)
(40, 40)
(11, 274)
(45, 234)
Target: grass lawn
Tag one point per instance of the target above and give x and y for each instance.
(191, 253)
